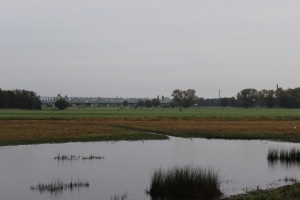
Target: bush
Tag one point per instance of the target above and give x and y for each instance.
(61, 104)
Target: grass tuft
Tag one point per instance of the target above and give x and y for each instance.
(185, 182)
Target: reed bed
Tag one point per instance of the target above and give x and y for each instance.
(119, 197)
(59, 185)
(62, 157)
(284, 155)
(91, 157)
(185, 182)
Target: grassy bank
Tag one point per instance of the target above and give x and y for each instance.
(290, 192)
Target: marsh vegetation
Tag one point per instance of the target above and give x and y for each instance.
(119, 197)
(112, 124)
(185, 182)
(63, 157)
(58, 185)
(287, 156)
(14, 132)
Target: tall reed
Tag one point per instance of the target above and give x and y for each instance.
(185, 182)
(284, 155)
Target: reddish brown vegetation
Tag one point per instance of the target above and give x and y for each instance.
(41, 131)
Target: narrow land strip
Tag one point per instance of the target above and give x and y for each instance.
(289, 192)
(156, 113)
(15, 132)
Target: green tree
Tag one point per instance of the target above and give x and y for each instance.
(177, 97)
(61, 104)
(140, 103)
(155, 102)
(19, 99)
(200, 101)
(266, 98)
(184, 98)
(148, 103)
(35, 102)
(247, 97)
(125, 103)
(293, 98)
(224, 102)
(189, 98)
(282, 98)
(232, 102)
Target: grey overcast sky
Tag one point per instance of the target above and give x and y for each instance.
(145, 48)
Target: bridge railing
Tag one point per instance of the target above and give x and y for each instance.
(98, 100)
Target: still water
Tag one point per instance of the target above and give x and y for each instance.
(127, 166)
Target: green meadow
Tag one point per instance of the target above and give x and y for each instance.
(116, 112)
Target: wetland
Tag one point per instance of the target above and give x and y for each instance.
(241, 164)
(112, 153)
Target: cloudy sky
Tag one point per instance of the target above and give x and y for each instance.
(145, 48)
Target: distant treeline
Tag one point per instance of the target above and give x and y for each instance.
(247, 98)
(19, 99)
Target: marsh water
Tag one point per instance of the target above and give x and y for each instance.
(127, 166)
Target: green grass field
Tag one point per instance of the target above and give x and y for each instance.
(112, 112)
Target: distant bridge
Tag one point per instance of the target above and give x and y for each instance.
(100, 100)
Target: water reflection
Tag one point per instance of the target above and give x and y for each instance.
(284, 157)
(56, 187)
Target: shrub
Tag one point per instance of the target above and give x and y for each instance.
(61, 104)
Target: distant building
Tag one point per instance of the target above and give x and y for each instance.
(100, 101)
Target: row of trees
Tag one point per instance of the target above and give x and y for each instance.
(145, 103)
(289, 98)
(19, 99)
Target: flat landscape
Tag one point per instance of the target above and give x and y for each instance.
(83, 124)
(103, 124)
